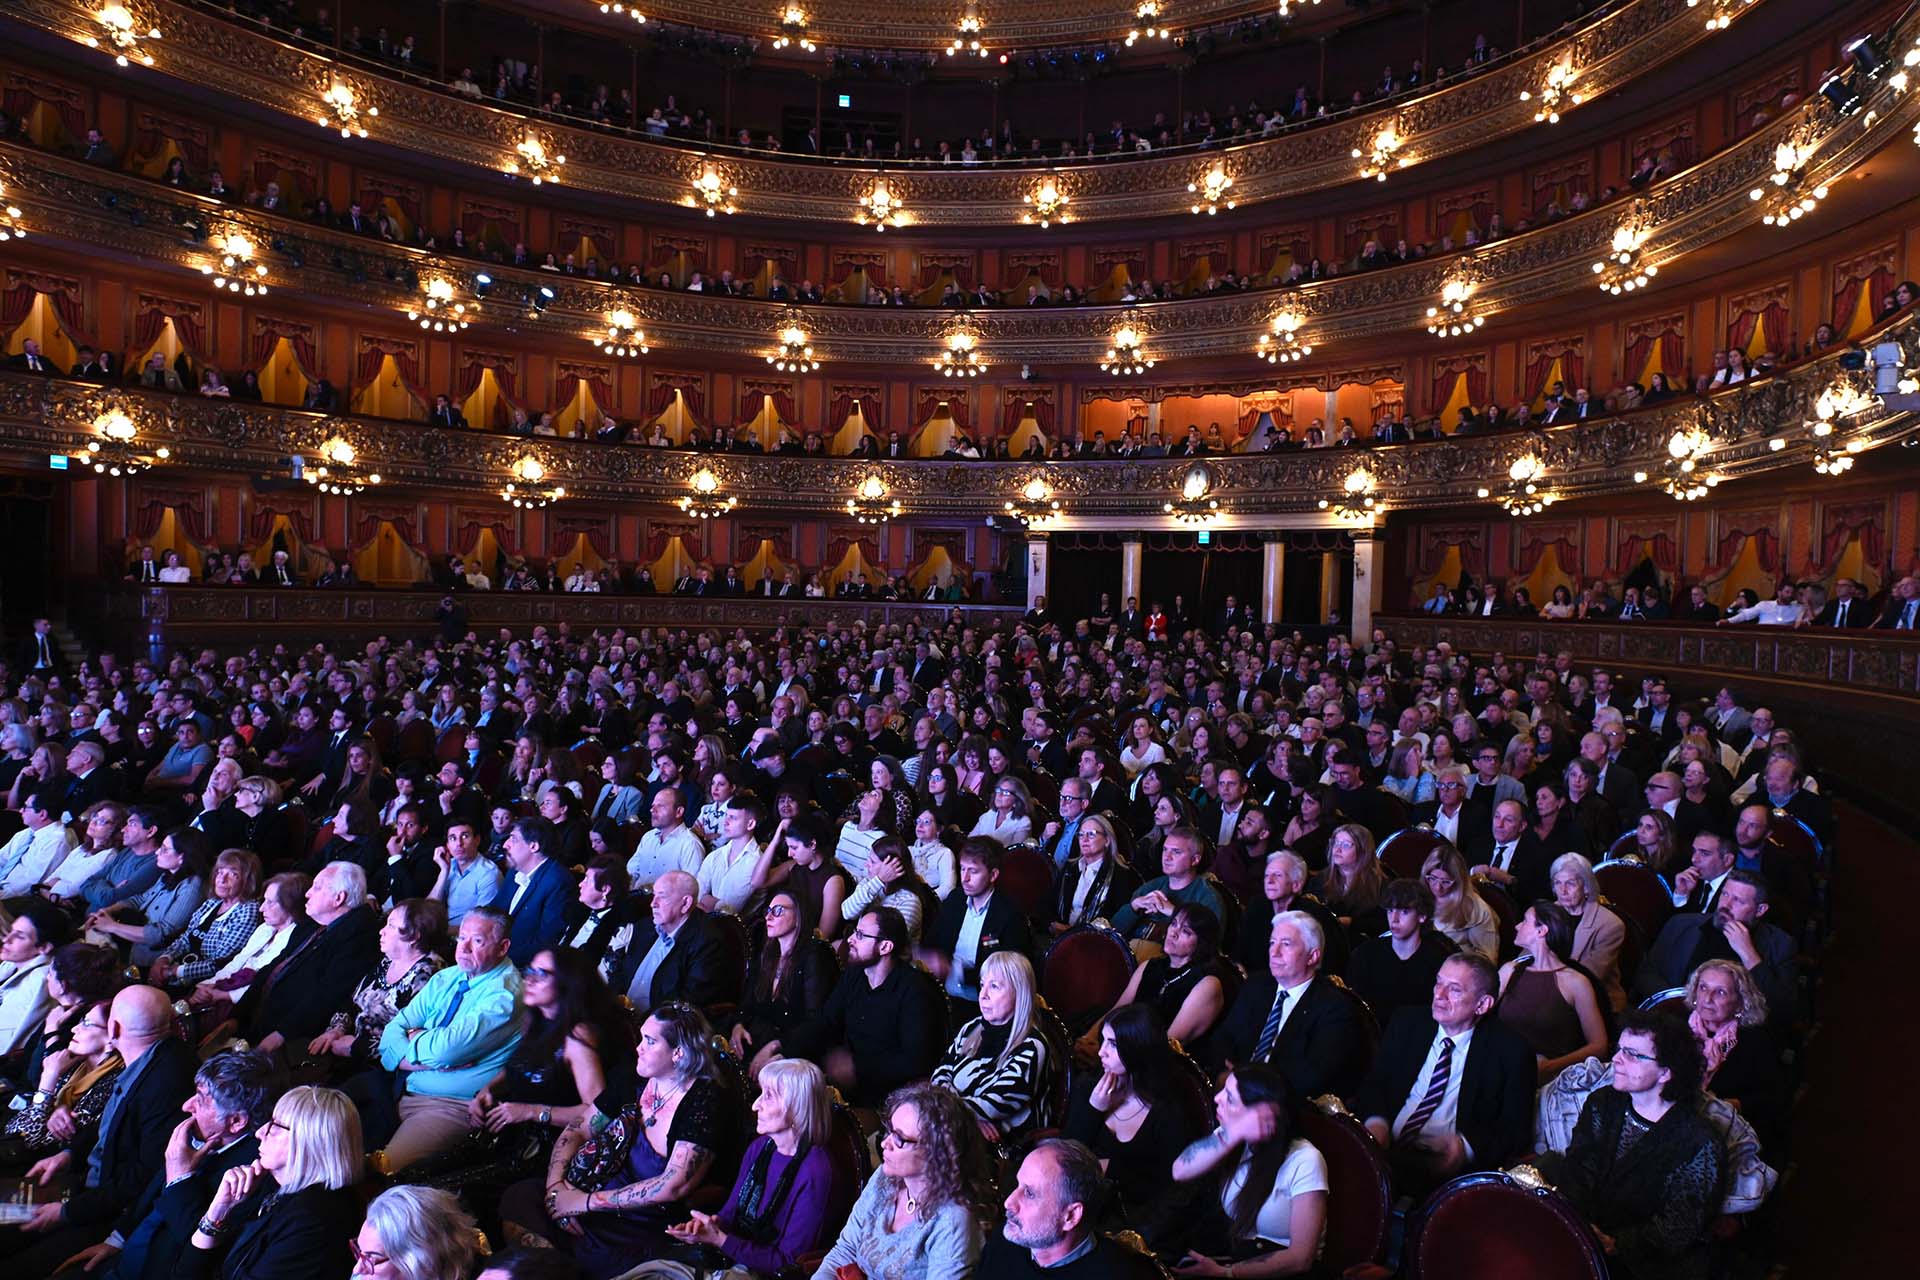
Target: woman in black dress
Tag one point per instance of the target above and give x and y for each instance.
(1188, 986)
(789, 979)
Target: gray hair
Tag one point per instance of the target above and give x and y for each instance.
(1077, 1176)
(802, 1087)
(349, 878)
(1295, 864)
(1309, 929)
(425, 1232)
(242, 1082)
(1580, 866)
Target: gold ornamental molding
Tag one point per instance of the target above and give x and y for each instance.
(1610, 50)
(41, 416)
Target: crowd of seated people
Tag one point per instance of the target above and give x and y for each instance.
(627, 964)
(1794, 604)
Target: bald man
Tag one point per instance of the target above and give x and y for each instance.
(140, 1115)
(679, 953)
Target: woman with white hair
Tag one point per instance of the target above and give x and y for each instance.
(999, 1063)
(290, 1213)
(416, 1233)
(1598, 931)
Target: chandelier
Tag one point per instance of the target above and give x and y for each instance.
(10, 227)
(1287, 6)
(339, 471)
(1126, 355)
(1556, 95)
(439, 312)
(1196, 504)
(624, 336)
(1453, 317)
(1210, 190)
(1382, 155)
(1034, 504)
(795, 354)
(629, 10)
(968, 32)
(1792, 197)
(1524, 492)
(707, 500)
(238, 271)
(1831, 455)
(534, 162)
(1283, 345)
(1150, 27)
(869, 503)
(880, 206)
(114, 453)
(527, 489)
(793, 29)
(961, 357)
(1046, 204)
(1680, 475)
(712, 194)
(1623, 270)
(1720, 13)
(344, 112)
(1356, 500)
(120, 35)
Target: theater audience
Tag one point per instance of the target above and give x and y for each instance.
(885, 1022)
(790, 978)
(1272, 1183)
(1544, 997)
(416, 1233)
(1397, 970)
(413, 945)
(1187, 985)
(1598, 932)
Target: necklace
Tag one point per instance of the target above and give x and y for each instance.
(658, 1105)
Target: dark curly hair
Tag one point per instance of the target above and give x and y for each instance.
(957, 1171)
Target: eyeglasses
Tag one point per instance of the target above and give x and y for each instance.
(1635, 1054)
(775, 911)
(898, 1138)
(366, 1260)
(874, 938)
(536, 971)
(272, 1123)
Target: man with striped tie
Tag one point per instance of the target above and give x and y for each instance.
(1451, 1089)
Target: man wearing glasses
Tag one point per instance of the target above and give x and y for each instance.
(885, 1023)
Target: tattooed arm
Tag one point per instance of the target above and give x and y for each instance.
(687, 1167)
(1203, 1155)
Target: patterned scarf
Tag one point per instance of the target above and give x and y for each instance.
(1713, 1048)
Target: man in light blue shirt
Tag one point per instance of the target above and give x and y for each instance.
(452, 1039)
(467, 880)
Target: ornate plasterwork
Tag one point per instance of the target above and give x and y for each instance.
(254, 67)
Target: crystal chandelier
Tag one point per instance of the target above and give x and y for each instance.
(1680, 475)
(1556, 95)
(793, 30)
(1196, 504)
(1034, 505)
(1524, 494)
(1623, 269)
(1126, 355)
(1356, 501)
(120, 35)
(339, 470)
(969, 31)
(534, 162)
(1149, 26)
(707, 499)
(880, 206)
(1046, 204)
(528, 489)
(629, 10)
(796, 352)
(238, 272)
(624, 337)
(712, 194)
(114, 452)
(1793, 197)
(1210, 190)
(1282, 345)
(961, 356)
(439, 312)
(1452, 317)
(342, 111)
(1382, 155)
(1833, 456)
(10, 228)
(870, 504)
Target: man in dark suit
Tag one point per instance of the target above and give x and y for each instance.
(1451, 1089)
(535, 897)
(974, 923)
(40, 655)
(94, 366)
(1232, 614)
(1733, 931)
(1847, 608)
(31, 361)
(1510, 855)
(97, 150)
(1902, 611)
(1295, 1019)
(142, 1110)
(89, 780)
(280, 573)
(445, 414)
(294, 1000)
(678, 953)
(356, 222)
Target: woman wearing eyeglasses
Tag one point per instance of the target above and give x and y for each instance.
(1458, 909)
(416, 1233)
(915, 1218)
(65, 1108)
(267, 833)
(1006, 819)
(291, 1213)
(411, 943)
(789, 979)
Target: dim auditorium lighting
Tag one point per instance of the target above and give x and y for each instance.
(712, 193)
(120, 35)
(115, 450)
(535, 162)
(1556, 95)
(707, 500)
(1382, 156)
(344, 112)
(793, 30)
(1046, 204)
(1454, 315)
(528, 489)
(1148, 24)
(438, 309)
(1282, 345)
(624, 337)
(625, 9)
(870, 503)
(238, 272)
(1210, 190)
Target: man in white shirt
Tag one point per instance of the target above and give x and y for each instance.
(25, 954)
(1781, 611)
(30, 858)
(1450, 785)
(670, 845)
(726, 875)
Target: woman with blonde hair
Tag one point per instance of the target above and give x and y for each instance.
(1351, 882)
(999, 1063)
(422, 1233)
(1458, 909)
(1728, 1017)
(310, 1157)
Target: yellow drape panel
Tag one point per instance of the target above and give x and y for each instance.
(848, 436)
(388, 561)
(43, 326)
(167, 343)
(1113, 288)
(584, 248)
(675, 420)
(1016, 294)
(931, 295)
(1028, 429)
(1547, 574)
(1457, 226)
(282, 380)
(153, 166)
(283, 529)
(1448, 572)
(671, 564)
(1554, 374)
(763, 277)
(401, 222)
(764, 561)
(937, 567)
(855, 288)
(46, 128)
(1196, 281)
(389, 396)
(679, 269)
(1745, 571)
(1757, 347)
(853, 564)
(1449, 412)
(581, 553)
(486, 409)
(171, 537)
(933, 437)
(1277, 269)
(765, 426)
(1863, 314)
(1655, 364)
(581, 415)
(485, 549)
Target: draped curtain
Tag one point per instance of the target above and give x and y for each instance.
(1436, 542)
(20, 101)
(152, 509)
(1658, 547)
(783, 403)
(260, 527)
(503, 376)
(153, 316)
(267, 335)
(840, 540)
(1447, 373)
(468, 538)
(659, 398)
(368, 519)
(1846, 299)
(843, 401)
(1772, 323)
(929, 405)
(155, 133)
(1016, 408)
(1673, 354)
(597, 380)
(1766, 543)
(17, 301)
(1537, 544)
(404, 360)
(1844, 524)
(1572, 370)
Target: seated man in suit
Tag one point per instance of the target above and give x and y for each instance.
(1451, 1089)
(1510, 855)
(295, 1000)
(1294, 1018)
(31, 361)
(678, 954)
(1735, 931)
(536, 896)
(127, 1151)
(974, 923)
(280, 573)
(449, 1042)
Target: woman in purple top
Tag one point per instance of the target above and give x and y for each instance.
(790, 1196)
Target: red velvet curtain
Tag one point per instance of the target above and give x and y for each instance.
(1659, 548)
(837, 547)
(368, 519)
(502, 374)
(151, 509)
(1536, 546)
(1434, 543)
(299, 338)
(20, 102)
(469, 535)
(1017, 407)
(843, 402)
(148, 324)
(659, 398)
(16, 302)
(1673, 354)
(264, 515)
(403, 360)
(1843, 524)
(149, 141)
(1446, 374)
(929, 405)
(1572, 370)
(696, 397)
(1847, 297)
(566, 530)
(1767, 542)
(1772, 323)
